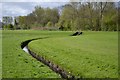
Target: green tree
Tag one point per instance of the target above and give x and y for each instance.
(67, 17)
(39, 14)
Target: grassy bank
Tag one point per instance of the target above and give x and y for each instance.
(16, 63)
(91, 55)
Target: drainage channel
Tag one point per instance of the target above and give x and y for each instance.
(51, 65)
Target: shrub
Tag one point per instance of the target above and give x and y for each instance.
(49, 24)
(9, 27)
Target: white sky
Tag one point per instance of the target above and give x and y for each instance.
(0, 11)
(59, 0)
(35, 0)
(24, 7)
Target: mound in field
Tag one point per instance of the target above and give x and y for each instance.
(77, 33)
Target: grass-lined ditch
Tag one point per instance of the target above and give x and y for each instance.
(16, 63)
(92, 55)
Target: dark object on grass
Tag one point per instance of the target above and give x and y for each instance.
(77, 33)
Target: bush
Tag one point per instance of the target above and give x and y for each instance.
(49, 24)
(112, 28)
(5, 27)
(9, 27)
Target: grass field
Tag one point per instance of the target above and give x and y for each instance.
(16, 63)
(91, 55)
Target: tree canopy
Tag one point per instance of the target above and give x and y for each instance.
(95, 16)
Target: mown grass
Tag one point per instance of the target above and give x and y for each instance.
(16, 63)
(91, 55)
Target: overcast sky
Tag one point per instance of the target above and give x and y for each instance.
(58, 0)
(37, 0)
(24, 7)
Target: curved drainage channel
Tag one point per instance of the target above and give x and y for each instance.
(54, 67)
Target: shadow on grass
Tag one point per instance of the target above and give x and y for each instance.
(25, 43)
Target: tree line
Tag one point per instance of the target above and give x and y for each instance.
(94, 16)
